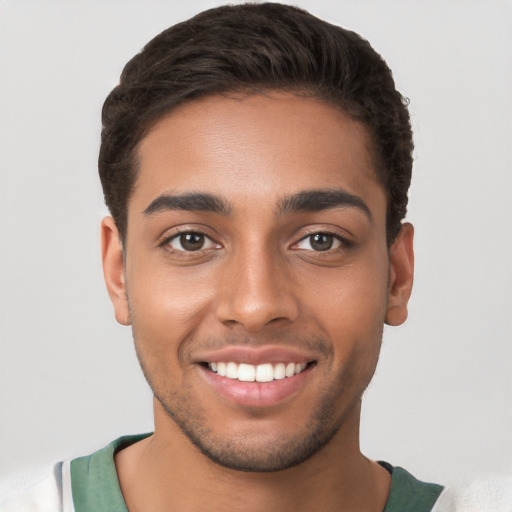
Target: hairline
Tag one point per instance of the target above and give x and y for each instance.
(240, 93)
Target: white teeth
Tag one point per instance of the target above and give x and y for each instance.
(246, 372)
(266, 372)
(232, 370)
(221, 369)
(279, 371)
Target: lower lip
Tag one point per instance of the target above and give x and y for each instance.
(256, 394)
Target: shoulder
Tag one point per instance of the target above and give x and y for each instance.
(409, 493)
(83, 483)
(494, 495)
(46, 489)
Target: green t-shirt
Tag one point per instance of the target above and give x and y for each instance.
(96, 488)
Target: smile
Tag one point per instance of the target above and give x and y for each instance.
(266, 372)
(262, 378)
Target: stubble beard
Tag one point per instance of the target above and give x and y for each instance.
(257, 452)
(251, 452)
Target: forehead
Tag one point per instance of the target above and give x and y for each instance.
(257, 146)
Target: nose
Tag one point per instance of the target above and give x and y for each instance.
(256, 290)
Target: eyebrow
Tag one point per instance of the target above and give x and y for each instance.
(305, 201)
(323, 199)
(191, 201)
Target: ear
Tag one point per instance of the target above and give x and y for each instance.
(401, 273)
(113, 269)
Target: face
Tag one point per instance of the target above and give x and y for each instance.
(256, 275)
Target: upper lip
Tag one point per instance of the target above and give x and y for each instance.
(255, 356)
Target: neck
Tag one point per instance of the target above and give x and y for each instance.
(166, 469)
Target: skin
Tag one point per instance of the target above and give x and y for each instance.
(258, 283)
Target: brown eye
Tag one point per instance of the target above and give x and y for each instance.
(191, 241)
(321, 241)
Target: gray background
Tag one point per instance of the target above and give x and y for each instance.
(441, 402)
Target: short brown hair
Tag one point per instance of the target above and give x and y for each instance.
(255, 47)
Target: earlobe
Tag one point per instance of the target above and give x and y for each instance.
(113, 269)
(401, 273)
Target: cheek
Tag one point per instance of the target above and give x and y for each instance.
(166, 309)
(350, 306)
(353, 294)
(169, 296)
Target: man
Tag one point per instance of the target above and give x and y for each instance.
(256, 163)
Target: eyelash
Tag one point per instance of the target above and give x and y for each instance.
(343, 241)
(165, 243)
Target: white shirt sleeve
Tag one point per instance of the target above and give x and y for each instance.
(479, 496)
(46, 489)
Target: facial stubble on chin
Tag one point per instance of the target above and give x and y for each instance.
(253, 452)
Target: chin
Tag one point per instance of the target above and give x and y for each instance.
(257, 447)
